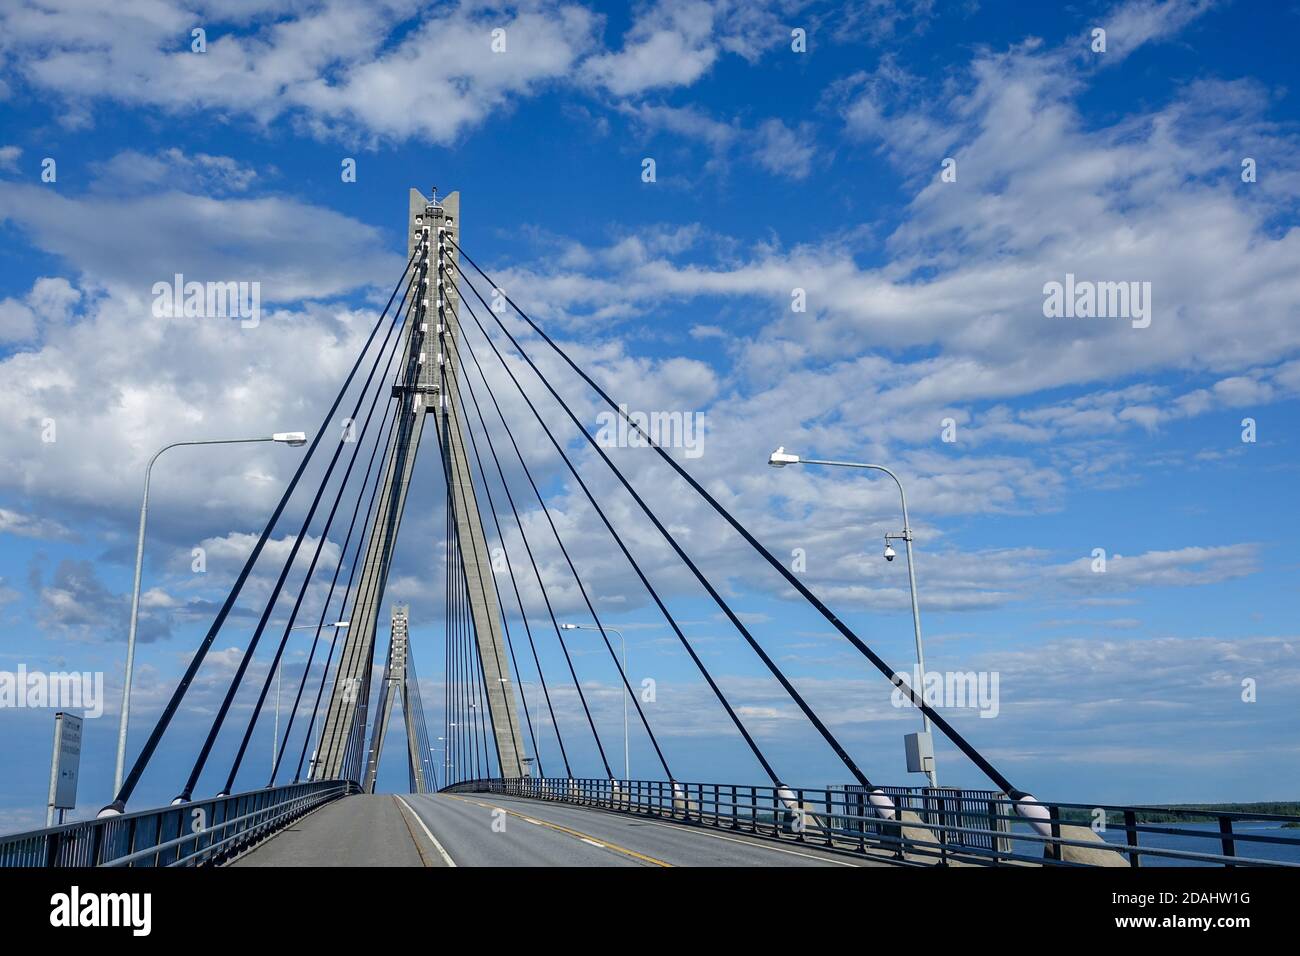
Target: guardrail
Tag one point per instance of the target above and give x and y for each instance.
(191, 834)
(940, 825)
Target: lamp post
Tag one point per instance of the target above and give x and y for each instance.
(294, 439)
(779, 459)
(434, 766)
(451, 764)
(627, 774)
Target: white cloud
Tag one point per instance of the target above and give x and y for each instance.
(76, 604)
(356, 69)
(162, 380)
(50, 301)
(785, 151)
(233, 549)
(771, 145)
(1040, 194)
(655, 57)
(31, 526)
(688, 122)
(174, 169)
(281, 243)
(1134, 23)
(17, 321)
(1176, 568)
(673, 43)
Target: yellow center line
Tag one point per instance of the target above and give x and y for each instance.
(820, 857)
(584, 837)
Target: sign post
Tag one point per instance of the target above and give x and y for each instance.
(64, 766)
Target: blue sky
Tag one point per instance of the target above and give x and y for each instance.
(775, 170)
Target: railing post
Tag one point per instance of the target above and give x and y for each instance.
(1054, 848)
(1131, 838)
(938, 816)
(130, 837)
(1225, 836)
(176, 853)
(96, 841)
(860, 812)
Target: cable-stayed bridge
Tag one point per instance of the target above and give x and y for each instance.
(445, 345)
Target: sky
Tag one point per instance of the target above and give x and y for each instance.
(846, 248)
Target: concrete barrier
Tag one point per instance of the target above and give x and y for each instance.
(1100, 854)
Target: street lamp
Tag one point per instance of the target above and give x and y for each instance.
(922, 745)
(294, 439)
(627, 775)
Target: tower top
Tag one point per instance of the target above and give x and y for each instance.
(431, 212)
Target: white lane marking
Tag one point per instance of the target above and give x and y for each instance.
(446, 857)
(593, 843)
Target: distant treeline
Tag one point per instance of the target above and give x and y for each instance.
(1154, 815)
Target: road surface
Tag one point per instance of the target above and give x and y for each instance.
(487, 830)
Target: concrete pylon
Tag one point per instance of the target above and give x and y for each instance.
(477, 561)
(399, 673)
(427, 363)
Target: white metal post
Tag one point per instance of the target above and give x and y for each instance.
(779, 459)
(627, 773)
(289, 438)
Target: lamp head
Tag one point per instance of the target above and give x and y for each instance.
(294, 439)
(779, 458)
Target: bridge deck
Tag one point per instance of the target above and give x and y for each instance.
(488, 830)
(361, 830)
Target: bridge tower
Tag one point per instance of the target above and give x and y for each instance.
(427, 363)
(399, 679)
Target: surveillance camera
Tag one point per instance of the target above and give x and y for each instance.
(889, 552)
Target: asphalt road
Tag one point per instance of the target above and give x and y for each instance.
(486, 830)
(354, 831)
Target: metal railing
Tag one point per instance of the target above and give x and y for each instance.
(939, 826)
(970, 819)
(191, 834)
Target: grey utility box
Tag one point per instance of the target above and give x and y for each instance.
(920, 752)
